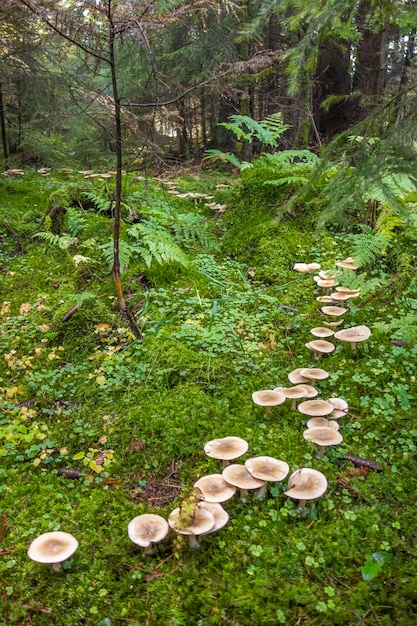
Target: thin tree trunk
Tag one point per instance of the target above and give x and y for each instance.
(3, 130)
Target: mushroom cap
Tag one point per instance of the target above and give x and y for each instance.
(320, 345)
(52, 547)
(226, 449)
(221, 517)
(306, 484)
(294, 392)
(326, 282)
(353, 334)
(323, 436)
(302, 268)
(333, 310)
(279, 389)
(311, 392)
(327, 274)
(314, 373)
(352, 292)
(321, 331)
(240, 476)
(316, 408)
(347, 264)
(147, 528)
(267, 397)
(295, 377)
(214, 488)
(334, 324)
(313, 267)
(324, 299)
(322, 422)
(340, 407)
(340, 296)
(202, 522)
(267, 468)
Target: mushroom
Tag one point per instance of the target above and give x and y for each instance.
(321, 331)
(316, 408)
(351, 292)
(226, 449)
(147, 529)
(334, 324)
(341, 296)
(311, 392)
(239, 476)
(268, 398)
(214, 488)
(313, 267)
(306, 484)
(54, 548)
(302, 268)
(221, 517)
(320, 347)
(353, 335)
(333, 311)
(347, 264)
(293, 394)
(199, 522)
(295, 377)
(268, 469)
(323, 437)
(327, 274)
(340, 407)
(322, 422)
(326, 283)
(327, 299)
(311, 374)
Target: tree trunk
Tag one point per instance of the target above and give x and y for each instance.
(3, 130)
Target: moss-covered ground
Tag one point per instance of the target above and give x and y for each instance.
(131, 419)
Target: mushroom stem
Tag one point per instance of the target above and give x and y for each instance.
(243, 495)
(320, 451)
(261, 492)
(317, 355)
(294, 404)
(193, 541)
(301, 505)
(268, 409)
(225, 463)
(56, 567)
(352, 345)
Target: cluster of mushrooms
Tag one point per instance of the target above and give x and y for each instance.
(205, 514)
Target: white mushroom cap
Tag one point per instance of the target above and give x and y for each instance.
(316, 408)
(324, 299)
(214, 488)
(321, 331)
(313, 267)
(320, 346)
(267, 397)
(352, 292)
(323, 436)
(340, 407)
(353, 335)
(221, 517)
(333, 310)
(226, 449)
(311, 392)
(327, 283)
(201, 521)
(302, 268)
(147, 528)
(347, 264)
(334, 324)
(267, 468)
(314, 373)
(306, 484)
(52, 547)
(340, 296)
(322, 422)
(296, 377)
(294, 392)
(327, 274)
(240, 476)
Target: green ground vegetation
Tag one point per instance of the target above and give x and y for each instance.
(97, 428)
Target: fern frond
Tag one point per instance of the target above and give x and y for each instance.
(76, 222)
(103, 204)
(226, 157)
(367, 246)
(125, 253)
(63, 241)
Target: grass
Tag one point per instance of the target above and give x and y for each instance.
(132, 419)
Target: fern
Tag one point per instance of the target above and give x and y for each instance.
(189, 229)
(226, 157)
(125, 253)
(403, 328)
(367, 246)
(104, 205)
(76, 222)
(63, 241)
(156, 243)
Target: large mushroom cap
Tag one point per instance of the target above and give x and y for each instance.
(353, 335)
(313, 267)
(320, 346)
(321, 331)
(239, 476)
(340, 407)
(295, 376)
(221, 517)
(294, 392)
(147, 528)
(324, 299)
(316, 408)
(267, 397)
(267, 468)
(214, 488)
(306, 484)
(322, 422)
(201, 521)
(334, 311)
(302, 268)
(227, 448)
(310, 391)
(52, 547)
(314, 373)
(323, 436)
(327, 283)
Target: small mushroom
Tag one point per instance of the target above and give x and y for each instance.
(226, 449)
(327, 299)
(323, 437)
(268, 469)
(293, 394)
(306, 484)
(199, 522)
(316, 408)
(313, 267)
(214, 488)
(347, 264)
(333, 311)
(268, 398)
(340, 296)
(322, 332)
(322, 422)
(147, 529)
(334, 324)
(326, 283)
(221, 517)
(311, 392)
(295, 376)
(54, 548)
(312, 374)
(320, 347)
(340, 408)
(240, 477)
(353, 335)
(301, 268)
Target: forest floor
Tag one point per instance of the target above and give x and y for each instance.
(98, 428)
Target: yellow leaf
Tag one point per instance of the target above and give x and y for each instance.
(78, 456)
(100, 380)
(63, 451)
(37, 462)
(96, 468)
(103, 439)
